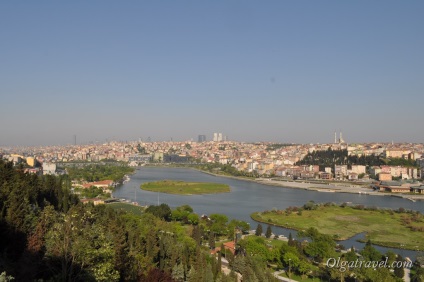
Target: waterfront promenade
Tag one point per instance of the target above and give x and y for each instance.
(334, 188)
(322, 187)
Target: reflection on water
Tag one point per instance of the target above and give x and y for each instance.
(247, 197)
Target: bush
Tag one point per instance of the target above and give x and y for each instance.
(310, 206)
(401, 210)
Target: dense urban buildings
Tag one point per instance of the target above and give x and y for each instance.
(263, 159)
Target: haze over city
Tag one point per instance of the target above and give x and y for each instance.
(276, 71)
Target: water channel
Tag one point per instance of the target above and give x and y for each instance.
(247, 197)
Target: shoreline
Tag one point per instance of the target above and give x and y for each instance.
(338, 239)
(286, 185)
(323, 188)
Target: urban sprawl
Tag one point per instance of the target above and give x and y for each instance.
(260, 160)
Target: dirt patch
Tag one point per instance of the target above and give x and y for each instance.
(347, 218)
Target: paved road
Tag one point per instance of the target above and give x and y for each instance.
(335, 187)
(280, 278)
(407, 275)
(226, 270)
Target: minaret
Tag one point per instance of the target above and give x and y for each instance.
(341, 141)
(335, 137)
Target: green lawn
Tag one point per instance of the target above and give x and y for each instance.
(384, 228)
(274, 243)
(185, 188)
(136, 210)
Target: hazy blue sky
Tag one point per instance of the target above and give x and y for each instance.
(286, 71)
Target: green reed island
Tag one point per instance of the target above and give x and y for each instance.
(185, 188)
(391, 228)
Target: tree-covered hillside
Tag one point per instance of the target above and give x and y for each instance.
(98, 172)
(48, 235)
(329, 158)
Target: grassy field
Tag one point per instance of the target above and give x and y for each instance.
(185, 188)
(382, 227)
(136, 210)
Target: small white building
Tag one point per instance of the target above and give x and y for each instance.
(358, 169)
(49, 168)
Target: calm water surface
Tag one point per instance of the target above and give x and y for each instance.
(247, 197)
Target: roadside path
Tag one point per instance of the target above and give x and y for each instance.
(280, 278)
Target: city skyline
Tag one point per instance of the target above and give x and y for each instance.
(289, 72)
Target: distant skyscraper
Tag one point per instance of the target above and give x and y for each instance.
(201, 138)
(218, 137)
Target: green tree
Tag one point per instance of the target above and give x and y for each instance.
(351, 255)
(79, 243)
(391, 257)
(268, 232)
(256, 246)
(370, 253)
(193, 219)
(218, 223)
(176, 215)
(223, 250)
(382, 274)
(163, 211)
(304, 268)
(258, 231)
(292, 261)
(322, 246)
(178, 272)
(238, 224)
(418, 276)
(291, 242)
(196, 234)
(399, 271)
(211, 240)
